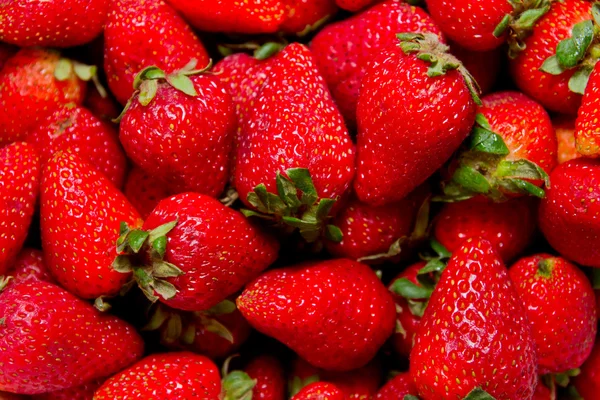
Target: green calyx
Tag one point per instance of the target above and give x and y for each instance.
(4, 280)
(296, 384)
(545, 268)
(562, 380)
(519, 24)
(306, 213)
(427, 47)
(259, 51)
(479, 394)
(236, 385)
(67, 68)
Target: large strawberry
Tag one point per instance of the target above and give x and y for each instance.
(52, 340)
(397, 387)
(560, 304)
(179, 129)
(55, 23)
(343, 50)
(140, 33)
(81, 392)
(270, 378)
(564, 127)
(587, 383)
(587, 132)
(81, 212)
(340, 329)
(425, 108)
(19, 184)
(320, 391)
(143, 191)
(474, 334)
(29, 266)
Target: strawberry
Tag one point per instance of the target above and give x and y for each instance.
(354, 5)
(52, 340)
(536, 69)
(33, 83)
(143, 191)
(343, 50)
(511, 152)
(484, 66)
(101, 105)
(199, 252)
(397, 387)
(333, 331)
(305, 16)
(421, 144)
(140, 33)
(509, 226)
(567, 216)
(565, 136)
(586, 125)
(80, 215)
(320, 391)
(169, 376)
(29, 266)
(587, 383)
(81, 392)
(92, 139)
(560, 304)
(465, 329)
(543, 393)
(19, 177)
(55, 23)
(269, 375)
(188, 147)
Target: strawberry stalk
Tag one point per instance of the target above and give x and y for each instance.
(66, 67)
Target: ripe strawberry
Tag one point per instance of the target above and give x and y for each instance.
(143, 191)
(140, 33)
(80, 215)
(305, 16)
(169, 376)
(561, 308)
(355, 5)
(29, 266)
(484, 66)
(397, 387)
(565, 136)
(555, 87)
(19, 177)
(187, 148)
(333, 331)
(55, 23)
(586, 128)
(52, 340)
(587, 383)
(33, 83)
(567, 216)
(509, 226)
(320, 391)
(102, 105)
(398, 87)
(269, 375)
(543, 393)
(93, 140)
(81, 392)
(343, 50)
(465, 329)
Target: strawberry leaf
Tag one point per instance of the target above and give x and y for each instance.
(579, 80)
(333, 233)
(405, 288)
(214, 326)
(479, 394)
(238, 385)
(224, 307)
(439, 249)
(552, 66)
(410, 397)
(182, 83)
(471, 179)
(570, 51)
(63, 69)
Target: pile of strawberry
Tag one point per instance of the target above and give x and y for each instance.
(299, 199)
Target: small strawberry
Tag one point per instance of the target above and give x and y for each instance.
(341, 329)
(586, 126)
(52, 340)
(587, 383)
(19, 185)
(29, 266)
(464, 328)
(270, 379)
(484, 66)
(140, 33)
(424, 107)
(565, 136)
(320, 391)
(397, 387)
(81, 392)
(80, 215)
(143, 191)
(305, 16)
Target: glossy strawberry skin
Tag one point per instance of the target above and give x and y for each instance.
(587, 382)
(143, 191)
(422, 144)
(586, 125)
(333, 331)
(81, 213)
(216, 247)
(568, 215)
(77, 128)
(551, 91)
(343, 50)
(20, 178)
(483, 65)
(81, 392)
(303, 16)
(270, 378)
(37, 316)
(29, 266)
(561, 308)
(397, 387)
(565, 136)
(169, 376)
(355, 5)
(466, 327)
(320, 391)
(131, 27)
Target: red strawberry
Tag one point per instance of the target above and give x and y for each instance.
(33, 83)
(269, 376)
(51, 340)
(170, 376)
(484, 66)
(401, 102)
(55, 23)
(543, 393)
(509, 226)
(81, 392)
(586, 128)
(464, 328)
(343, 50)
(179, 129)
(546, 81)
(20, 179)
(568, 215)
(102, 105)
(93, 140)
(30, 266)
(565, 136)
(397, 387)
(81, 212)
(143, 191)
(561, 308)
(140, 33)
(11, 396)
(305, 16)
(320, 391)
(587, 383)
(355, 5)
(6, 52)
(340, 329)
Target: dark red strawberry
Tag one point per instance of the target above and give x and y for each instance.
(341, 329)
(464, 328)
(81, 212)
(101, 105)
(81, 392)
(320, 391)
(587, 383)
(29, 266)
(355, 5)
(305, 16)
(397, 387)
(568, 216)
(179, 129)
(561, 308)
(586, 127)
(543, 393)
(143, 191)
(565, 136)
(52, 340)
(412, 103)
(54, 23)
(484, 66)
(343, 50)
(270, 379)
(20, 180)
(140, 33)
